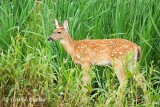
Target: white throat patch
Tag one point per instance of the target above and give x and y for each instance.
(62, 41)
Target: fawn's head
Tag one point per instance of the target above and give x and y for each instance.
(60, 32)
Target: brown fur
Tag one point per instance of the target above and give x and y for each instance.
(98, 52)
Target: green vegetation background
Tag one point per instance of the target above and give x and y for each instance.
(31, 67)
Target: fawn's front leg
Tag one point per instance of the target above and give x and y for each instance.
(86, 81)
(86, 77)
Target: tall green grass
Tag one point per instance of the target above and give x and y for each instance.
(13, 15)
(32, 68)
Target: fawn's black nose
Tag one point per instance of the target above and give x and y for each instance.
(50, 39)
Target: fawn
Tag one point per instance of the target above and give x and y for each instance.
(99, 52)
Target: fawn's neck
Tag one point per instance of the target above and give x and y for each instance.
(68, 44)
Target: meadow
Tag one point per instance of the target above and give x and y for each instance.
(38, 73)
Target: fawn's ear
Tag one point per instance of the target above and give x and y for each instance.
(65, 25)
(58, 25)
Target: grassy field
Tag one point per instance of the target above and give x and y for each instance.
(35, 72)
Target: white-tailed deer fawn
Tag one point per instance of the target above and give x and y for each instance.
(99, 52)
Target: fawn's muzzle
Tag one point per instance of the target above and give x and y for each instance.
(50, 39)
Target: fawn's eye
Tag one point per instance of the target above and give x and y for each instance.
(59, 32)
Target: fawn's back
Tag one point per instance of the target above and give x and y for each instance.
(103, 52)
(98, 52)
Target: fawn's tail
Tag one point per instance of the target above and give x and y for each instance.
(138, 53)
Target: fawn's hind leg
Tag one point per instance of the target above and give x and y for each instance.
(133, 67)
(118, 67)
(139, 78)
(141, 81)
